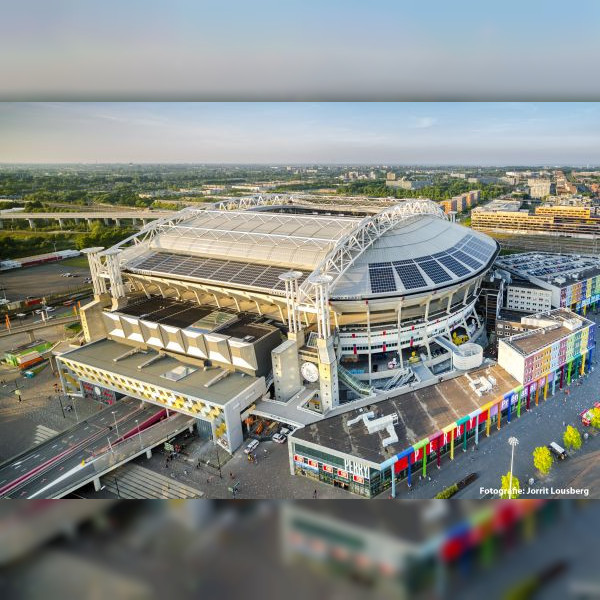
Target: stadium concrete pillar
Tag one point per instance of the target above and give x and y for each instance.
(477, 430)
(466, 295)
(145, 222)
(369, 341)
(569, 372)
(409, 472)
(393, 475)
(546, 388)
(528, 397)
(465, 438)
(399, 329)
(519, 398)
(499, 405)
(31, 223)
(554, 375)
(106, 221)
(509, 409)
(149, 453)
(118, 222)
(452, 444)
(450, 296)
(582, 371)
(424, 461)
(537, 392)
(97, 485)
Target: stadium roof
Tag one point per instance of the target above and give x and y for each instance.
(403, 249)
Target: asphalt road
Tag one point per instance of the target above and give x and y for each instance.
(73, 446)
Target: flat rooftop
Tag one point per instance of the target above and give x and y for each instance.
(207, 319)
(421, 413)
(167, 311)
(527, 343)
(101, 355)
(548, 266)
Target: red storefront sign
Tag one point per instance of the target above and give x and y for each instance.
(328, 469)
(358, 478)
(298, 458)
(342, 474)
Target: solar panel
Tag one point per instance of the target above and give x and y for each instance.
(382, 279)
(435, 272)
(467, 259)
(409, 274)
(213, 269)
(452, 264)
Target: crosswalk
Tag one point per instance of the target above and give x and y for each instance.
(43, 433)
(134, 482)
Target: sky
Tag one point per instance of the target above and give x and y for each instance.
(513, 133)
(299, 49)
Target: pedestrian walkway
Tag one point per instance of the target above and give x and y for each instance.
(43, 433)
(133, 482)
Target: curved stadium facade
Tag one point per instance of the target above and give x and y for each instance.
(262, 288)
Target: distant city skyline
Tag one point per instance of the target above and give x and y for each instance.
(411, 134)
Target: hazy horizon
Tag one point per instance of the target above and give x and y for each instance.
(400, 134)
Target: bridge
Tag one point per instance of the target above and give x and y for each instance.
(30, 328)
(117, 217)
(90, 450)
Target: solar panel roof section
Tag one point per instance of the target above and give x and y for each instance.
(434, 271)
(468, 260)
(381, 276)
(212, 269)
(451, 263)
(409, 274)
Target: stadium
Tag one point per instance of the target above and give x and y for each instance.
(342, 305)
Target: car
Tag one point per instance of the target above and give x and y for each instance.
(69, 302)
(39, 311)
(66, 275)
(284, 431)
(50, 309)
(586, 415)
(557, 450)
(278, 438)
(252, 446)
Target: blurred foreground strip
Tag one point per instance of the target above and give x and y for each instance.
(330, 549)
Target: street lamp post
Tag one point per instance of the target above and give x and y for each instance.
(61, 406)
(75, 409)
(219, 461)
(513, 441)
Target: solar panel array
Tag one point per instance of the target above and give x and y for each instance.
(434, 270)
(213, 269)
(409, 274)
(468, 255)
(478, 249)
(381, 276)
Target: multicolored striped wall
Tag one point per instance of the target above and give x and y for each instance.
(581, 294)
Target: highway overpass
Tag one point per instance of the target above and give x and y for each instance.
(117, 217)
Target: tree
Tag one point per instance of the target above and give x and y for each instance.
(595, 418)
(542, 460)
(504, 487)
(572, 438)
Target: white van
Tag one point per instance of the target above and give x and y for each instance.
(557, 450)
(253, 445)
